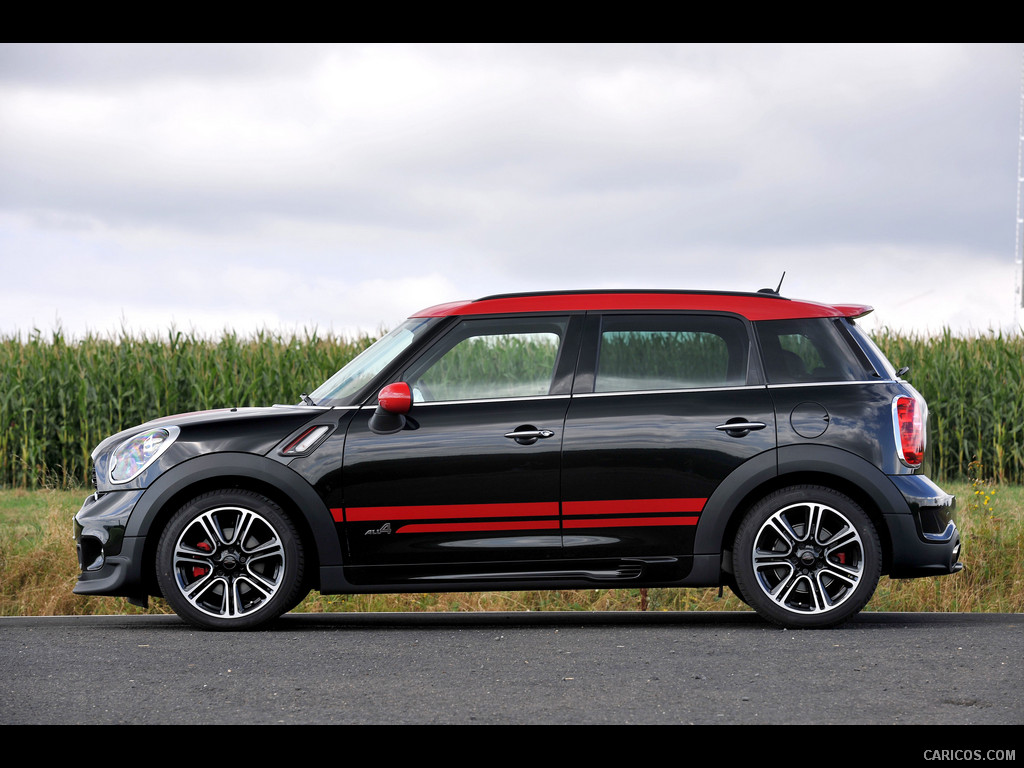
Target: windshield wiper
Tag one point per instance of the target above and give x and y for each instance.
(306, 399)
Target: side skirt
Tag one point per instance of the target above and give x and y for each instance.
(612, 573)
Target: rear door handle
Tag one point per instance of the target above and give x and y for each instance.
(739, 427)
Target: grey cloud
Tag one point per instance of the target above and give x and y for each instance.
(511, 167)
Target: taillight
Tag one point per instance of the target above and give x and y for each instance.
(908, 417)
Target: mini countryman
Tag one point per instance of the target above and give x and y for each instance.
(597, 439)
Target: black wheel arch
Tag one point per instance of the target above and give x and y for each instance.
(774, 470)
(211, 472)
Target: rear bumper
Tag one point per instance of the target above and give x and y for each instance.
(927, 541)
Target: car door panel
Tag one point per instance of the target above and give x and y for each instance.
(664, 408)
(455, 488)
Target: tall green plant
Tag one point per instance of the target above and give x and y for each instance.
(61, 397)
(975, 392)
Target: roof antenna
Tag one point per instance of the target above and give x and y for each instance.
(776, 291)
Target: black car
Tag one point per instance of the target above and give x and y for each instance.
(542, 441)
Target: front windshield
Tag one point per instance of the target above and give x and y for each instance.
(343, 386)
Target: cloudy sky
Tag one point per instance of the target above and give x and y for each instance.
(343, 187)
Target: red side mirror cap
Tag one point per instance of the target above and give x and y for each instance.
(396, 398)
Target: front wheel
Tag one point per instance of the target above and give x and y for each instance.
(807, 556)
(230, 559)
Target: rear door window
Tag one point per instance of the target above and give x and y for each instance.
(655, 352)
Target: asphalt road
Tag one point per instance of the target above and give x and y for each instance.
(519, 668)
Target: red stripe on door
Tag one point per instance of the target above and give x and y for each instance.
(632, 506)
(446, 511)
(627, 512)
(510, 525)
(626, 522)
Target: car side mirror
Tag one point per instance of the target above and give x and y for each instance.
(393, 402)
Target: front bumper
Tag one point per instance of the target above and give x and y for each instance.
(926, 542)
(109, 562)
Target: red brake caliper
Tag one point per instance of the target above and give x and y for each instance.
(198, 570)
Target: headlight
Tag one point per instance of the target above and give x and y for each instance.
(136, 453)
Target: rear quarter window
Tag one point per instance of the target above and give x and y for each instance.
(810, 350)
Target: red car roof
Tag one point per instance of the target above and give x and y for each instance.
(754, 306)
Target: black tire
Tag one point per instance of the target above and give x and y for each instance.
(729, 580)
(807, 557)
(230, 559)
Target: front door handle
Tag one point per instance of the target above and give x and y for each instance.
(528, 435)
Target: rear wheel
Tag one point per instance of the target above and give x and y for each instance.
(230, 559)
(807, 556)
(730, 582)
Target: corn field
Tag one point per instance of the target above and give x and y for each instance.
(975, 393)
(61, 397)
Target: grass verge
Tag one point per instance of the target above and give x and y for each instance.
(38, 569)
